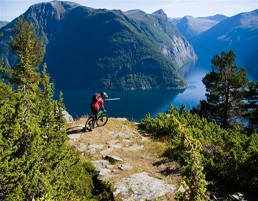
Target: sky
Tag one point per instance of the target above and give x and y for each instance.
(10, 9)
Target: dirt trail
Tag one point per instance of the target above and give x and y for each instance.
(133, 151)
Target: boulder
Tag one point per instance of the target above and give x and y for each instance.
(140, 186)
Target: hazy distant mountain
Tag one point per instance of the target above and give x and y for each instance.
(217, 17)
(107, 49)
(3, 23)
(191, 27)
(238, 33)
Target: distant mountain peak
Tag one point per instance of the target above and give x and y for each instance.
(238, 33)
(188, 16)
(217, 17)
(135, 11)
(51, 9)
(60, 5)
(3, 23)
(56, 3)
(191, 26)
(161, 13)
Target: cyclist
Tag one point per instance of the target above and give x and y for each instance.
(94, 106)
(97, 104)
(101, 100)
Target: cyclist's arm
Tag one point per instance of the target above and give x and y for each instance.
(101, 104)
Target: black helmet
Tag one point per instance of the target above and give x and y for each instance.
(103, 94)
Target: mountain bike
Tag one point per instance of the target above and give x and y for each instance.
(102, 119)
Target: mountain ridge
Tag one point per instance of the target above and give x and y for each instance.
(106, 49)
(238, 33)
(192, 27)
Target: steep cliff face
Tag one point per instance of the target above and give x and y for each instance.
(181, 52)
(107, 49)
(160, 30)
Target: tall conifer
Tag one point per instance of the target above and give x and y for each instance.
(23, 136)
(226, 86)
(35, 159)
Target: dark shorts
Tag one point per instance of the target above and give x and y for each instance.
(94, 113)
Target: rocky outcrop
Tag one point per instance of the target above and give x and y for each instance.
(111, 159)
(67, 116)
(141, 186)
(130, 162)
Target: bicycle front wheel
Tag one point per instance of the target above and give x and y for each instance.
(89, 123)
(102, 120)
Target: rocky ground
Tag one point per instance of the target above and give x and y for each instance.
(130, 160)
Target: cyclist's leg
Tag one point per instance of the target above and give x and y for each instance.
(95, 117)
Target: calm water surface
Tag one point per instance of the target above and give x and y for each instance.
(134, 105)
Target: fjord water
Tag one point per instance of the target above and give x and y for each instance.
(134, 105)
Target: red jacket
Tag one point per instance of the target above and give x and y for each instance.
(94, 105)
(101, 104)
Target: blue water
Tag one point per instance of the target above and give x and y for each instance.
(134, 105)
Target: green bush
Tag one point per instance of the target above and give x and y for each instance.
(229, 156)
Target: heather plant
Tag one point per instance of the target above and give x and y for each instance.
(184, 148)
(228, 156)
(194, 182)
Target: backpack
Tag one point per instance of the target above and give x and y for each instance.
(95, 97)
(94, 105)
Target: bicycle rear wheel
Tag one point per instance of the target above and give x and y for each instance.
(89, 123)
(102, 120)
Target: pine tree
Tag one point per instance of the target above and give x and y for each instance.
(30, 51)
(35, 159)
(22, 134)
(7, 110)
(56, 149)
(225, 86)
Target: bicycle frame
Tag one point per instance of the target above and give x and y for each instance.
(100, 113)
(102, 119)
